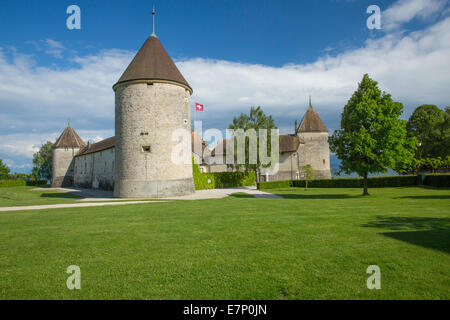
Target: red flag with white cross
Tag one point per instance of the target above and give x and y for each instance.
(198, 107)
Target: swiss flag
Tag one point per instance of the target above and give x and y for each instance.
(198, 107)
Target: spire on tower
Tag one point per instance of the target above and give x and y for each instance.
(310, 105)
(153, 16)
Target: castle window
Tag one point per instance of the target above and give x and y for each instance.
(323, 161)
(146, 148)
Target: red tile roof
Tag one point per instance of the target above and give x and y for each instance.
(311, 122)
(152, 63)
(69, 139)
(96, 147)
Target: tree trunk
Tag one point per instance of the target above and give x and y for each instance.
(365, 181)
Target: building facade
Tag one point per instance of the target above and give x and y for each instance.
(152, 102)
(307, 145)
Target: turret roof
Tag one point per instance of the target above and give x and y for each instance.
(69, 139)
(152, 63)
(311, 122)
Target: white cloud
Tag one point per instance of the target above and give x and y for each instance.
(54, 48)
(404, 11)
(413, 67)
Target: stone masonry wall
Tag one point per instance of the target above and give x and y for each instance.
(95, 170)
(316, 152)
(146, 117)
(62, 166)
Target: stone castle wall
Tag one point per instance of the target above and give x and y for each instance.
(95, 170)
(146, 117)
(316, 152)
(63, 166)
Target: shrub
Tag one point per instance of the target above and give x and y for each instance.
(36, 183)
(233, 179)
(374, 182)
(274, 184)
(12, 183)
(204, 181)
(20, 182)
(437, 180)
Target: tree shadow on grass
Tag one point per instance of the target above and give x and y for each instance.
(241, 195)
(442, 196)
(433, 239)
(60, 195)
(433, 233)
(409, 223)
(316, 196)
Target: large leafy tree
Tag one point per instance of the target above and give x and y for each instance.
(430, 126)
(42, 162)
(256, 119)
(372, 138)
(4, 170)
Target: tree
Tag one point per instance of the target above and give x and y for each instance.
(256, 119)
(42, 162)
(308, 173)
(372, 138)
(4, 170)
(429, 125)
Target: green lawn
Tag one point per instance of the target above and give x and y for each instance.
(313, 244)
(24, 196)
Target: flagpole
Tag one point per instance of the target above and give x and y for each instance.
(195, 116)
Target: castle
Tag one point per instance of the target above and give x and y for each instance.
(152, 99)
(308, 144)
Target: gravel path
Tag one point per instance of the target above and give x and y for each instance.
(96, 198)
(73, 205)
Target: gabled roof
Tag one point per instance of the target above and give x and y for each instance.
(311, 122)
(99, 146)
(289, 143)
(69, 139)
(153, 63)
(196, 139)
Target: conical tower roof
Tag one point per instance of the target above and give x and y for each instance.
(69, 139)
(153, 63)
(311, 122)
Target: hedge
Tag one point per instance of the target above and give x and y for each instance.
(373, 182)
(274, 184)
(216, 180)
(19, 182)
(437, 180)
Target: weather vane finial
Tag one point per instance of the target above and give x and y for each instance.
(153, 15)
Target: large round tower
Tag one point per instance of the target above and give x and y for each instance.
(152, 101)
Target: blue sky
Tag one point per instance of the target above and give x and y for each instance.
(235, 54)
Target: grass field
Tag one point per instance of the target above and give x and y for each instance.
(24, 196)
(313, 244)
